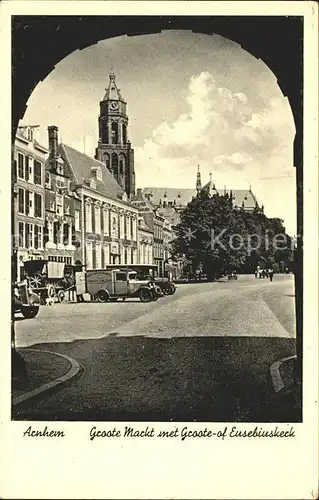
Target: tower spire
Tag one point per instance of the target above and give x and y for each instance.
(211, 182)
(112, 75)
(114, 148)
(112, 91)
(198, 181)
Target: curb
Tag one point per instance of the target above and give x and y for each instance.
(74, 370)
(276, 378)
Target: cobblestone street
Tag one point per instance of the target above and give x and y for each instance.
(202, 354)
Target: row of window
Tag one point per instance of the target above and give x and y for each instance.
(30, 203)
(29, 169)
(59, 206)
(158, 231)
(116, 226)
(158, 249)
(30, 236)
(146, 254)
(60, 258)
(95, 259)
(58, 233)
(60, 182)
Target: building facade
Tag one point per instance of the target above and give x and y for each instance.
(109, 230)
(60, 202)
(114, 148)
(155, 222)
(102, 222)
(29, 159)
(145, 242)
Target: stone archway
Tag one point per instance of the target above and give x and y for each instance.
(277, 40)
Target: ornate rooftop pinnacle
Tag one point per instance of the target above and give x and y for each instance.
(112, 75)
(112, 92)
(198, 180)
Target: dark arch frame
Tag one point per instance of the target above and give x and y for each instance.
(277, 40)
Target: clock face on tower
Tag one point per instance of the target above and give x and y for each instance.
(114, 105)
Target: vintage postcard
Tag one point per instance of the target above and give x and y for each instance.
(160, 261)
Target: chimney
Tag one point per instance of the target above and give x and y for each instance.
(53, 141)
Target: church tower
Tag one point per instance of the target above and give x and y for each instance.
(114, 148)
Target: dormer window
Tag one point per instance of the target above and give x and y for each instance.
(97, 172)
(92, 184)
(30, 133)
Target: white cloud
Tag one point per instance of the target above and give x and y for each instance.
(196, 134)
(235, 159)
(219, 127)
(226, 134)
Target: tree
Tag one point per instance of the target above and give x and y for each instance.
(207, 226)
(219, 238)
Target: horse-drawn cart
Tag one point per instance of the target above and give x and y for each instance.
(50, 279)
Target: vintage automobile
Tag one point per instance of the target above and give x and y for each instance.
(232, 275)
(112, 284)
(24, 300)
(167, 287)
(50, 279)
(149, 272)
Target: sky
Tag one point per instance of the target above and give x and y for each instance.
(192, 100)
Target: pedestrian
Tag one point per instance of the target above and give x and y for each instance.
(270, 274)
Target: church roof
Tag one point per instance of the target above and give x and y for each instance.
(81, 168)
(112, 93)
(181, 196)
(184, 196)
(241, 196)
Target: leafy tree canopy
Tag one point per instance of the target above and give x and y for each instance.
(217, 238)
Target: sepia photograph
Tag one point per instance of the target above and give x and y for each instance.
(159, 252)
(157, 219)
